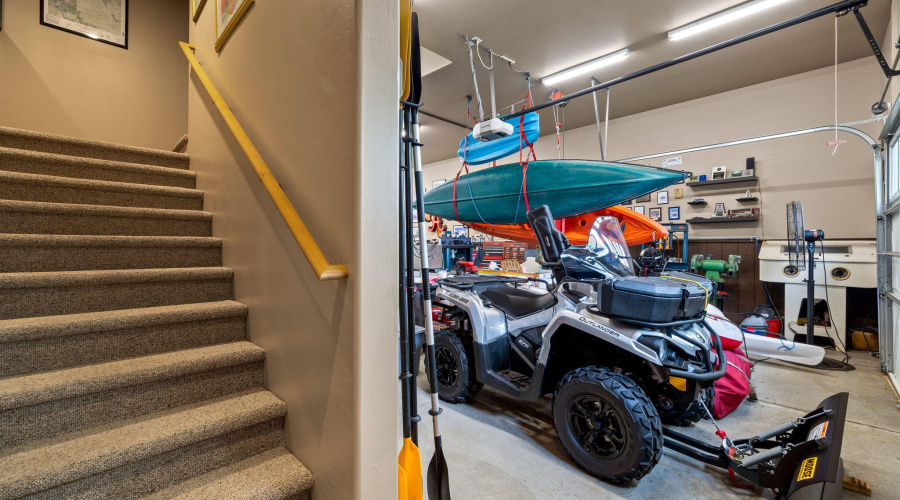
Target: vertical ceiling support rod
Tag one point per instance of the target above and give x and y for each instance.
(594, 81)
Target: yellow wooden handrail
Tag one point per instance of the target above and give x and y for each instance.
(317, 260)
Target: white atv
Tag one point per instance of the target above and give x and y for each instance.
(621, 354)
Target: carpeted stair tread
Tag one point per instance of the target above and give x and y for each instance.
(17, 392)
(34, 162)
(48, 188)
(68, 459)
(24, 295)
(44, 253)
(56, 240)
(271, 475)
(43, 343)
(75, 278)
(35, 217)
(42, 327)
(58, 144)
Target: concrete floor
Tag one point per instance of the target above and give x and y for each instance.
(500, 448)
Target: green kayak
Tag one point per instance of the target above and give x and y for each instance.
(569, 187)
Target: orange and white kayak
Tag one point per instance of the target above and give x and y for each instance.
(639, 229)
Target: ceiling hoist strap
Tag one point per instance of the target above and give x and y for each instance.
(836, 142)
(493, 95)
(475, 79)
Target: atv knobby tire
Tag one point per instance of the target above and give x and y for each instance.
(623, 416)
(459, 384)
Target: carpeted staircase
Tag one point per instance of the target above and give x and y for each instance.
(124, 369)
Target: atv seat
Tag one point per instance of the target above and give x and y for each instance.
(516, 302)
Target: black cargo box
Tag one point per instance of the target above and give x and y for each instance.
(652, 299)
(705, 282)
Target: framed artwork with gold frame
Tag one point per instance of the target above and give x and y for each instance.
(228, 15)
(197, 8)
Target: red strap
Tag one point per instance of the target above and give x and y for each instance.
(731, 474)
(523, 139)
(464, 166)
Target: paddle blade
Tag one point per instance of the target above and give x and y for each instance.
(438, 477)
(402, 491)
(411, 462)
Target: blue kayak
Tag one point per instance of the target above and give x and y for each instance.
(479, 152)
(569, 187)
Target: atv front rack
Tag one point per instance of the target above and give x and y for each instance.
(799, 460)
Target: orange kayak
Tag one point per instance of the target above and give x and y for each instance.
(639, 229)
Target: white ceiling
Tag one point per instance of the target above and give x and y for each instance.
(544, 37)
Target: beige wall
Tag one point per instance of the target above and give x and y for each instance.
(291, 73)
(837, 191)
(57, 82)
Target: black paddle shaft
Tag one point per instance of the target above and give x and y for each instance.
(411, 394)
(405, 374)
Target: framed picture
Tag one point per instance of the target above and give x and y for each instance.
(228, 15)
(656, 213)
(720, 210)
(718, 173)
(102, 20)
(674, 213)
(460, 231)
(197, 8)
(662, 197)
(679, 193)
(643, 199)
(639, 209)
(629, 202)
(438, 182)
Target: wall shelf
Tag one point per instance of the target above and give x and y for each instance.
(752, 198)
(697, 203)
(710, 220)
(731, 180)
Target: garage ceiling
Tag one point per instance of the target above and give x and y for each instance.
(547, 36)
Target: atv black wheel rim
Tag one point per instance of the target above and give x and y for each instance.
(597, 427)
(447, 369)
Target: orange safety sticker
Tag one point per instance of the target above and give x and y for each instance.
(818, 431)
(807, 469)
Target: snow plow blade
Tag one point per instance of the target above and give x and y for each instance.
(800, 460)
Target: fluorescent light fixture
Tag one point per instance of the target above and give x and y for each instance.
(586, 67)
(724, 17)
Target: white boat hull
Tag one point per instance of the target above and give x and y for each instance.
(762, 346)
